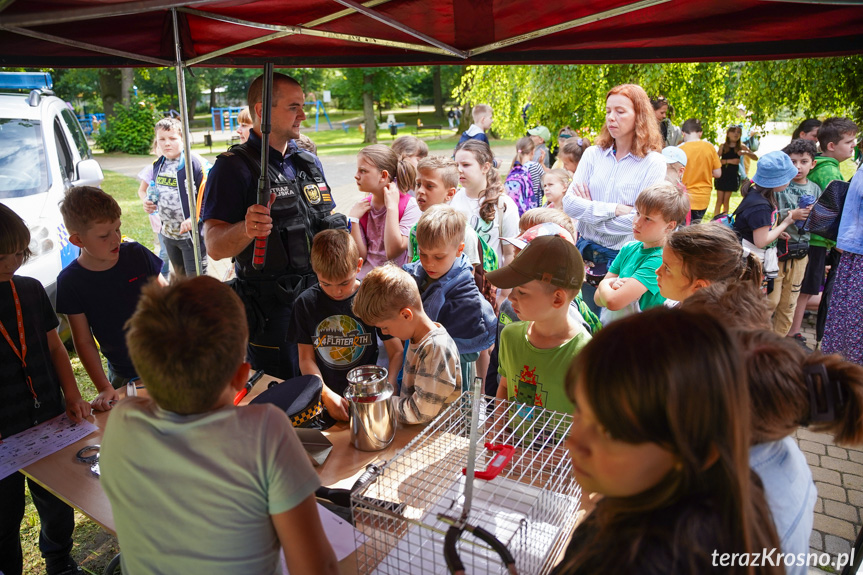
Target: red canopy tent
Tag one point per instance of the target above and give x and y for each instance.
(242, 33)
(245, 33)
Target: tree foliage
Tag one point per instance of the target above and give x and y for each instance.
(132, 129)
(815, 87)
(574, 95)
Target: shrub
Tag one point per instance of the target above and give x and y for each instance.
(131, 129)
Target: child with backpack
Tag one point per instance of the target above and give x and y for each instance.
(163, 191)
(754, 218)
(524, 182)
(492, 214)
(381, 222)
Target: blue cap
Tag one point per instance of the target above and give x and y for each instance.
(673, 154)
(774, 169)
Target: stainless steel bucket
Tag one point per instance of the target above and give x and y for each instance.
(373, 416)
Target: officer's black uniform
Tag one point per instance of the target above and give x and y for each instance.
(302, 208)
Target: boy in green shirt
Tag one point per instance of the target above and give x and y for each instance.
(630, 285)
(536, 351)
(837, 137)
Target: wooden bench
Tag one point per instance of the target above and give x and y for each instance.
(435, 127)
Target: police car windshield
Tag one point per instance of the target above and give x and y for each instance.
(23, 169)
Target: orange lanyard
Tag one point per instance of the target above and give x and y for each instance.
(22, 355)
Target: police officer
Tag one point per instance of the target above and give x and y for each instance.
(301, 206)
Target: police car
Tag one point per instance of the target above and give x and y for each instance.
(43, 152)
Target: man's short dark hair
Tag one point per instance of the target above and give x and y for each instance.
(832, 130)
(256, 88)
(691, 126)
(801, 146)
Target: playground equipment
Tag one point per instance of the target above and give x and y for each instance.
(91, 122)
(226, 118)
(319, 107)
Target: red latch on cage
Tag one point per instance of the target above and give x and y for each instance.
(497, 463)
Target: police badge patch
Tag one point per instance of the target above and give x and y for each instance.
(313, 194)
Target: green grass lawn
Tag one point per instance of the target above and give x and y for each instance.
(338, 141)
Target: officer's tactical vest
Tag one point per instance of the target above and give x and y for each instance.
(301, 209)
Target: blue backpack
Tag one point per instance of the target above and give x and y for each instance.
(727, 219)
(519, 187)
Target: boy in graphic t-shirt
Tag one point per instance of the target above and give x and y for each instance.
(168, 176)
(330, 338)
(536, 351)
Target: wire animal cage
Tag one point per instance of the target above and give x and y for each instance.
(530, 505)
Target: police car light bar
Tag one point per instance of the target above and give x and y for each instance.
(26, 81)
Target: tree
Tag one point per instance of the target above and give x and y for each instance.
(111, 86)
(80, 86)
(574, 95)
(371, 131)
(437, 91)
(212, 79)
(821, 87)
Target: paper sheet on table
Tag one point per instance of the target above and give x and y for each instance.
(342, 536)
(31, 445)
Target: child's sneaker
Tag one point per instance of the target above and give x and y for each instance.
(800, 339)
(68, 566)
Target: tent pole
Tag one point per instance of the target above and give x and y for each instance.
(191, 195)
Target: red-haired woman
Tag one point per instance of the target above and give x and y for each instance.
(611, 174)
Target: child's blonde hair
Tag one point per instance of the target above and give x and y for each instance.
(186, 341)
(14, 234)
(667, 199)
(384, 292)
(409, 146)
(490, 196)
(536, 216)
(244, 117)
(400, 170)
(84, 206)
(334, 254)
(445, 168)
(558, 174)
(479, 112)
(441, 225)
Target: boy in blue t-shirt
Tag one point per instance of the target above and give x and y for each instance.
(331, 339)
(630, 285)
(99, 291)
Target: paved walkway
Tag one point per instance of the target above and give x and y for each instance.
(838, 475)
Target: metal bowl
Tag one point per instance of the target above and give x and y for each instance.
(367, 379)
